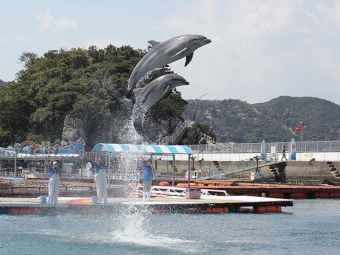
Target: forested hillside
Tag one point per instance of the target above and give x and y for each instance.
(238, 121)
(3, 83)
(87, 84)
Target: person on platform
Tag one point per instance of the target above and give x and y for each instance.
(53, 184)
(147, 175)
(89, 169)
(100, 179)
(284, 153)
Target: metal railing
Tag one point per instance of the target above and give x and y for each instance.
(301, 147)
(179, 131)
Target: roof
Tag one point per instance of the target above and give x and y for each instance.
(44, 156)
(140, 148)
(7, 152)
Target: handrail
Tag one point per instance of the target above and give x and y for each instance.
(239, 166)
(177, 132)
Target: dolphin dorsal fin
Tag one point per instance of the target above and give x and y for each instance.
(188, 59)
(153, 42)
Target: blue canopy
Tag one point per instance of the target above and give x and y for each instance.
(140, 148)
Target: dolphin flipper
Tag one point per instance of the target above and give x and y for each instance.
(180, 52)
(167, 94)
(166, 91)
(188, 59)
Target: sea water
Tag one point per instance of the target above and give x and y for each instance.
(309, 227)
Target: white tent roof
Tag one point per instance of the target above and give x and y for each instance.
(42, 156)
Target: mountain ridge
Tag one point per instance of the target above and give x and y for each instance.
(234, 120)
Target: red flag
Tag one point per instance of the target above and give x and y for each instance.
(298, 128)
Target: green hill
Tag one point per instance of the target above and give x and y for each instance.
(3, 83)
(273, 121)
(87, 86)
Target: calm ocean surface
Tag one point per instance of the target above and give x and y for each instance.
(309, 227)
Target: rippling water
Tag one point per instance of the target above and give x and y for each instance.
(309, 227)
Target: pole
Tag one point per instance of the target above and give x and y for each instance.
(189, 171)
(173, 170)
(15, 165)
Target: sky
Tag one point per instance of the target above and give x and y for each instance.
(260, 49)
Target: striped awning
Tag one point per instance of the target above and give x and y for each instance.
(140, 148)
(7, 152)
(43, 156)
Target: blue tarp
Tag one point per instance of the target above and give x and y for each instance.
(139, 148)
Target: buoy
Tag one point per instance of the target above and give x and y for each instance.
(248, 177)
(163, 184)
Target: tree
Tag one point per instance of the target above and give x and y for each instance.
(85, 83)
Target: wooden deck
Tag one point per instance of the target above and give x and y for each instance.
(287, 191)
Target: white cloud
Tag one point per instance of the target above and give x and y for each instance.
(49, 23)
(260, 49)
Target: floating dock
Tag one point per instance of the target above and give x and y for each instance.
(15, 206)
(287, 191)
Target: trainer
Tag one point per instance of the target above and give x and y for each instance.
(148, 173)
(53, 183)
(100, 179)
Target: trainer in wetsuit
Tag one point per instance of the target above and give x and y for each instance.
(53, 184)
(148, 172)
(100, 179)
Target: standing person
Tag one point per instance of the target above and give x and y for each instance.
(88, 169)
(100, 179)
(53, 184)
(284, 153)
(148, 172)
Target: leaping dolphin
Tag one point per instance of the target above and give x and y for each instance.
(163, 53)
(150, 94)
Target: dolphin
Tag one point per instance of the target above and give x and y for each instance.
(150, 94)
(163, 53)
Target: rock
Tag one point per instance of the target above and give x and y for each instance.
(193, 136)
(73, 129)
